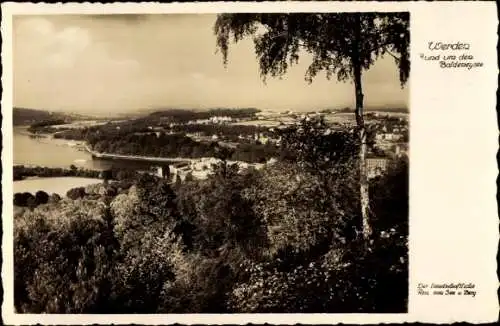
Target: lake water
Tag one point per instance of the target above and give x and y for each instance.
(60, 153)
(55, 153)
(50, 152)
(58, 185)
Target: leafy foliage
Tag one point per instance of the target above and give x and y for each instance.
(341, 273)
(143, 272)
(330, 38)
(20, 172)
(317, 146)
(63, 260)
(75, 193)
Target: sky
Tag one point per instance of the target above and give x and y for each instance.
(124, 63)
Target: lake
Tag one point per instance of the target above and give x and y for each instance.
(58, 185)
(54, 153)
(61, 153)
(49, 152)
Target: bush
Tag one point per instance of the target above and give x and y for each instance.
(303, 212)
(343, 275)
(54, 198)
(63, 267)
(143, 273)
(41, 197)
(389, 198)
(353, 278)
(21, 199)
(76, 193)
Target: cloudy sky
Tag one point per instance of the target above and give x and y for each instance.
(119, 63)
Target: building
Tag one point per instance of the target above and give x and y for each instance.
(376, 166)
(388, 136)
(163, 171)
(220, 119)
(393, 137)
(401, 149)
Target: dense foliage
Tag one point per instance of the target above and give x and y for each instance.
(281, 239)
(177, 145)
(224, 131)
(25, 116)
(34, 127)
(180, 135)
(183, 116)
(123, 177)
(21, 172)
(27, 199)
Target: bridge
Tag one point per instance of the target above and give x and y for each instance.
(152, 159)
(163, 164)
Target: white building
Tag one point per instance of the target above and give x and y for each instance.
(376, 166)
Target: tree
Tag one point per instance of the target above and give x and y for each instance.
(316, 146)
(20, 199)
(106, 175)
(341, 44)
(189, 176)
(54, 198)
(178, 180)
(41, 197)
(63, 259)
(30, 200)
(223, 154)
(76, 193)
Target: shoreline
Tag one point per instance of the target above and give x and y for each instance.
(50, 185)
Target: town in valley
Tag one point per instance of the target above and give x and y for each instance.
(252, 136)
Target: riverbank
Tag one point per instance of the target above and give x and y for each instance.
(56, 157)
(51, 185)
(22, 172)
(29, 150)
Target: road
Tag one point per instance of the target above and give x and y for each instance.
(138, 158)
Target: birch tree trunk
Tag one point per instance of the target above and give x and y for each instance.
(363, 175)
(360, 121)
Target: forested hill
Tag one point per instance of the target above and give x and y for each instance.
(185, 115)
(373, 109)
(25, 116)
(388, 109)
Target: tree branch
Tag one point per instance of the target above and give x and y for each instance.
(381, 46)
(386, 50)
(392, 55)
(285, 34)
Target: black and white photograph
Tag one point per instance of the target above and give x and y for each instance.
(211, 163)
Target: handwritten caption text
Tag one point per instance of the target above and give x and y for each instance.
(451, 55)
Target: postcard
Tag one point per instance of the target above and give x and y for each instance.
(253, 162)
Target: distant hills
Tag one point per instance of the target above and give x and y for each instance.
(389, 109)
(370, 109)
(25, 116)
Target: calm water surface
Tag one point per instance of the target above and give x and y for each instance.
(60, 153)
(58, 185)
(50, 152)
(55, 153)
